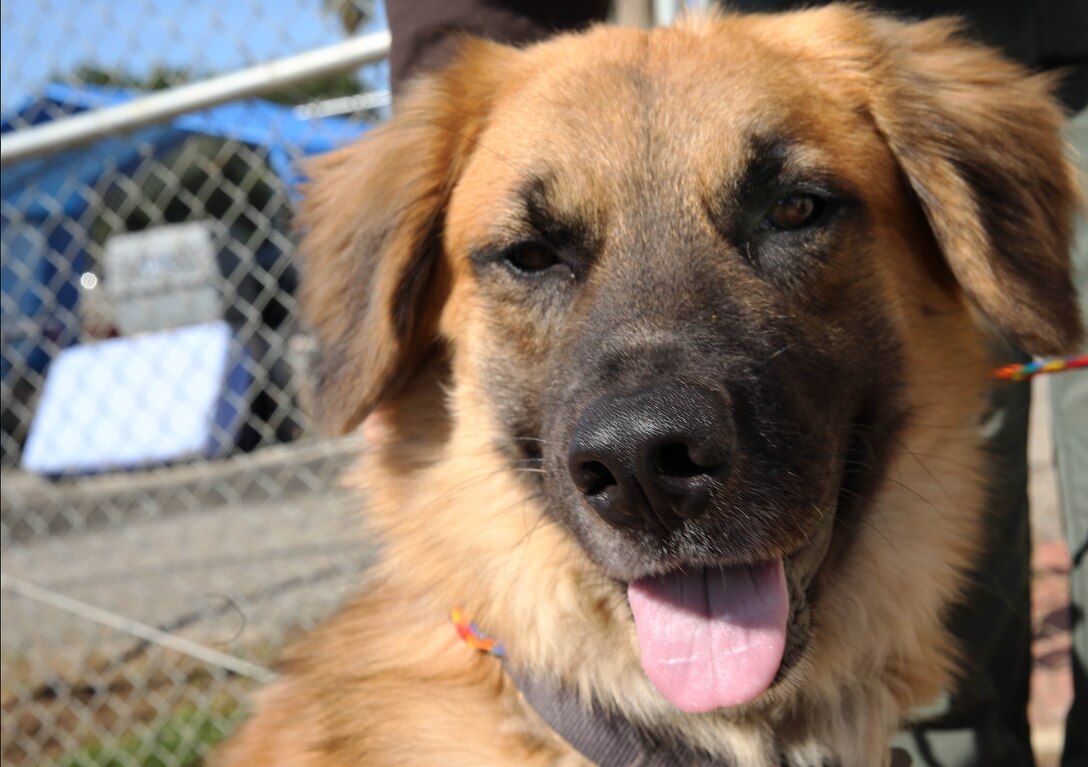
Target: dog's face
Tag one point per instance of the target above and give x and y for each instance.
(675, 319)
(683, 277)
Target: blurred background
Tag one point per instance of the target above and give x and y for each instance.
(168, 517)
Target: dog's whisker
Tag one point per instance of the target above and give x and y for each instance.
(542, 520)
(532, 439)
(861, 520)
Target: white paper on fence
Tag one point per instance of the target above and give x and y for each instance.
(140, 400)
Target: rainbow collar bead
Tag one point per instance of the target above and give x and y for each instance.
(1037, 367)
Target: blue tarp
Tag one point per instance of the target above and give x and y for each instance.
(57, 179)
(44, 199)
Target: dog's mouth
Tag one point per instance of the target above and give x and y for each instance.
(712, 637)
(720, 636)
(716, 637)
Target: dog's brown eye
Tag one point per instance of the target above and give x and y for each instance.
(530, 257)
(794, 211)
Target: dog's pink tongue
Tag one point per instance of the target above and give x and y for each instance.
(712, 638)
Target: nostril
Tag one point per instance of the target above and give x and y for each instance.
(594, 477)
(674, 460)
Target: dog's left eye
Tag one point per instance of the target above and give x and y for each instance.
(530, 258)
(795, 211)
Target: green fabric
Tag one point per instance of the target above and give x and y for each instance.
(1069, 400)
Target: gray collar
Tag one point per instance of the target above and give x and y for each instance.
(605, 739)
(609, 740)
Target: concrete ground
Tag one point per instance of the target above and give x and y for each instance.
(235, 557)
(301, 549)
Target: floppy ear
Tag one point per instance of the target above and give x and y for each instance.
(979, 140)
(374, 273)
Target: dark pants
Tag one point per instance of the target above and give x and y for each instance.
(425, 32)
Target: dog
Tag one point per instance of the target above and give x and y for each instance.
(670, 346)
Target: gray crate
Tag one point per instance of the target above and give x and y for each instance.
(165, 277)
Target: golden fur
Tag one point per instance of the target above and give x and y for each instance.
(929, 127)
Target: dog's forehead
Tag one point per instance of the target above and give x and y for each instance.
(618, 116)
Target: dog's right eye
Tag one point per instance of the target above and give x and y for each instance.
(530, 258)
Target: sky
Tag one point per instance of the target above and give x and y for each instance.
(39, 38)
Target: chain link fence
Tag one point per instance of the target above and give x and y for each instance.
(167, 520)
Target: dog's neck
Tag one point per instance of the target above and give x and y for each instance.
(611, 740)
(605, 739)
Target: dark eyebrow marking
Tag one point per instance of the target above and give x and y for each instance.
(557, 229)
(778, 161)
(765, 162)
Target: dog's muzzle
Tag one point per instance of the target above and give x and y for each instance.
(712, 632)
(651, 458)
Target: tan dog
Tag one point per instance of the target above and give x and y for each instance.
(676, 342)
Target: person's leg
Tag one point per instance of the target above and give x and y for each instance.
(1069, 395)
(1069, 400)
(425, 32)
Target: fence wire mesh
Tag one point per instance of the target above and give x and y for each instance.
(167, 519)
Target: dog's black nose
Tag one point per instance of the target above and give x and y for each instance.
(651, 458)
